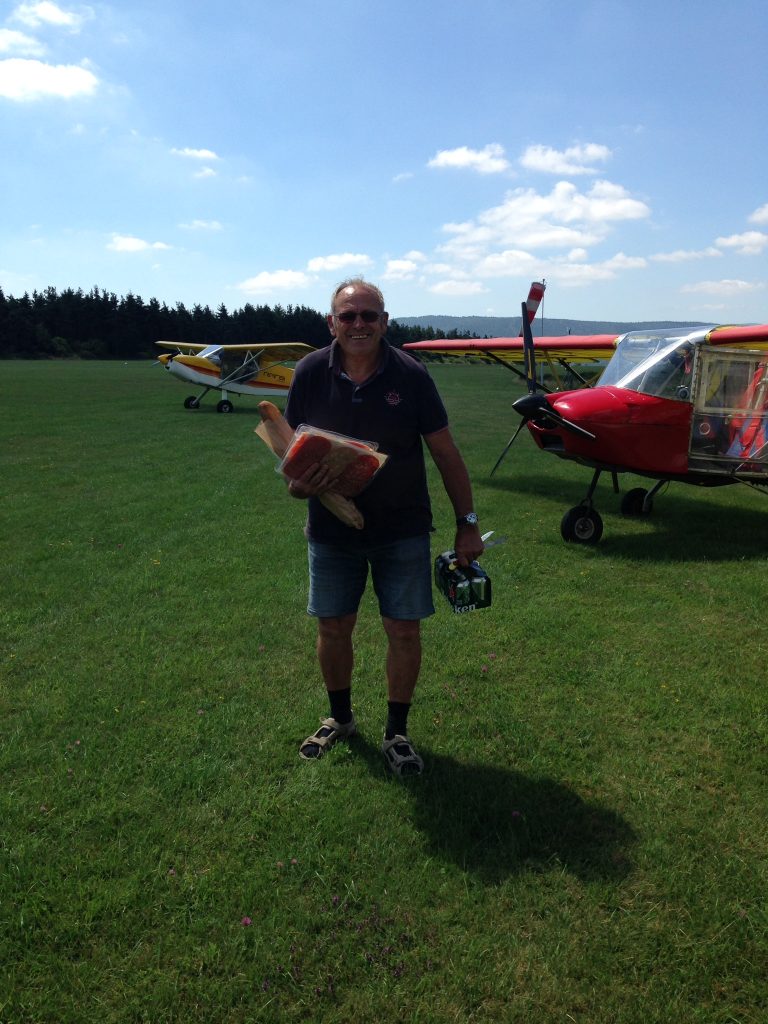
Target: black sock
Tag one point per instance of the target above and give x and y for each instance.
(341, 705)
(397, 719)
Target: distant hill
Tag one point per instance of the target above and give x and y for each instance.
(509, 326)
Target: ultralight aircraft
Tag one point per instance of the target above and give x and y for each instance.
(258, 370)
(686, 404)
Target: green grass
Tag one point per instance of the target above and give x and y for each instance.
(589, 840)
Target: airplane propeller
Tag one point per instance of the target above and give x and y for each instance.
(528, 310)
(534, 405)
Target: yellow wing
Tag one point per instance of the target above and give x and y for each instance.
(269, 352)
(587, 348)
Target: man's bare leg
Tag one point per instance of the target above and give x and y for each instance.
(334, 651)
(403, 657)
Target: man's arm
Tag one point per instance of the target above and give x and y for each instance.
(453, 471)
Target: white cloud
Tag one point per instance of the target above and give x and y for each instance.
(400, 270)
(458, 287)
(27, 80)
(338, 261)
(760, 216)
(276, 280)
(205, 172)
(684, 255)
(724, 287)
(490, 160)
(202, 225)
(604, 202)
(623, 262)
(576, 273)
(574, 160)
(748, 243)
(563, 218)
(404, 176)
(509, 263)
(46, 13)
(196, 154)
(128, 243)
(20, 43)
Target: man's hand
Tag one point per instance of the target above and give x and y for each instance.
(468, 544)
(315, 480)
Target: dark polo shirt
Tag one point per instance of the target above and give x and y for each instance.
(394, 408)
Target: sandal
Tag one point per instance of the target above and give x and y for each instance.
(330, 732)
(401, 757)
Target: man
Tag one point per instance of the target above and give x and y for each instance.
(364, 388)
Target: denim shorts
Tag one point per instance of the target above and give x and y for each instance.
(401, 572)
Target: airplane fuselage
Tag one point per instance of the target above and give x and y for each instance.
(271, 380)
(634, 432)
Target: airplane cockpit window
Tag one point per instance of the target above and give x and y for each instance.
(730, 412)
(654, 363)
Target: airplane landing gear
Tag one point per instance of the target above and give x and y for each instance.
(581, 525)
(225, 406)
(193, 402)
(637, 502)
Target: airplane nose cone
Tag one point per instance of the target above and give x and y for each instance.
(165, 359)
(530, 406)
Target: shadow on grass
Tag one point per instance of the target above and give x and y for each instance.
(496, 822)
(681, 527)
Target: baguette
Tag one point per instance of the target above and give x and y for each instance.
(274, 429)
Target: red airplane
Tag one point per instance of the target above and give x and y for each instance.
(686, 404)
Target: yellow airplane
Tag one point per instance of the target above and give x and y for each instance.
(257, 370)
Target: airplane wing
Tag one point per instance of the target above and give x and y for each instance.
(271, 352)
(586, 348)
(751, 336)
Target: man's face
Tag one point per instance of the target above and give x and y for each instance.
(357, 333)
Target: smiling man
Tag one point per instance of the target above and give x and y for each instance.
(364, 388)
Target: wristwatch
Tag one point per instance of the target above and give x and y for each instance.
(470, 519)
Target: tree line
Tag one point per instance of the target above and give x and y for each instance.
(73, 324)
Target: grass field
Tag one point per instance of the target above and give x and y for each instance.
(588, 843)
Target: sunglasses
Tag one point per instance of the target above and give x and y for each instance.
(368, 316)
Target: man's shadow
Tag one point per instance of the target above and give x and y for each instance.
(496, 822)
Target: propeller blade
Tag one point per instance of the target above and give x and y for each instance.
(508, 446)
(528, 311)
(529, 353)
(574, 428)
(534, 406)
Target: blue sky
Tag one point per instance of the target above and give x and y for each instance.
(260, 152)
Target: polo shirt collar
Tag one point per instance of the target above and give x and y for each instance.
(334, 357)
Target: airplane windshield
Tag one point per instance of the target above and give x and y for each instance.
(654, 363)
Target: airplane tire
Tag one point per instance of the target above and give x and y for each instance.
(581, 525)
(225, 406)
(192, 402)
(632, 503)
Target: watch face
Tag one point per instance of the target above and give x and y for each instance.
(470, 518)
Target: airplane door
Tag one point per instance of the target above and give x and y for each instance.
(729, 428)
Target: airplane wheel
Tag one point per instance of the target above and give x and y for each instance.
(225, 406)
(192, 402)
(582, 525)
(632, 503)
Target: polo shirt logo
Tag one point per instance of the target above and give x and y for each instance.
(392, 398)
